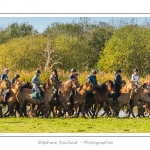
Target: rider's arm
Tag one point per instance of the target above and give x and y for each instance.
(89, 78)
(35, 80)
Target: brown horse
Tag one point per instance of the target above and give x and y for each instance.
(12, 100)
(138, 98)
(80, 97)
(101, 95)
(65, 91)
(124, 98)
(25, 95)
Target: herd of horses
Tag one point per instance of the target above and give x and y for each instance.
(20, 99)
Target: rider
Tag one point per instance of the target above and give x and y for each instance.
(72, 76)
(93, 79)
(4, 76)
(117, 85)
(17, 76)
(36, 85)
(135, 77)
(55, 88)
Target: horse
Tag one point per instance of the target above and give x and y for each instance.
(12, 100)
(25, 95)
(139, 98)
(80, 97)
(100, 95)
(124, 98)
(65, 91)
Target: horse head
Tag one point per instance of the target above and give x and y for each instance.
(109, 85)
(54, 82)
(74, 83)
(89, 86)
(5, 84)
(27, 85)
(130, 86)
(17, 85)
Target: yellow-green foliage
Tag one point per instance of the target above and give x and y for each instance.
(128, 48)
(23, 53)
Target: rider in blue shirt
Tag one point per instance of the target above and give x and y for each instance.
(4, 76)
(93, 79)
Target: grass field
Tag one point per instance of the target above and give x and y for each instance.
(75, 125)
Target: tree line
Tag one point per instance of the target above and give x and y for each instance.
(83, 45)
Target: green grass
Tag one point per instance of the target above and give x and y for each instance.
(75, 125)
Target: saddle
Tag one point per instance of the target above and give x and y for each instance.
(34, 95)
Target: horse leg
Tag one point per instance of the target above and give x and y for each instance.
(8, 110)
(132, 112)
(95, 106)
(64, 113)
(75, 111)
(82, 109)
(55, 111)
(78, 111)
(21, 103)
(129, 108)
(97, 109)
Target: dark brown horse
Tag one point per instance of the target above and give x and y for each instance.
(101, 95)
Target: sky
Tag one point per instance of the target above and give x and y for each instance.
(41, 23)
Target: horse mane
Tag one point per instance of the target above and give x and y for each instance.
(79, 89)
(46, 84)
(25, 85)
(102, 87)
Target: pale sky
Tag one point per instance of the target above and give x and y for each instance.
(41, 23)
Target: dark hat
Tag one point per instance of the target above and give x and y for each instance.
(135, 70)
(38, 71)
(94, 71)
(17, 76)
(118, 71)
(54, 70)
(73, 70)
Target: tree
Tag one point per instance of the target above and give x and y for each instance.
(51, 58)
(128, 48)
(16, 30)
